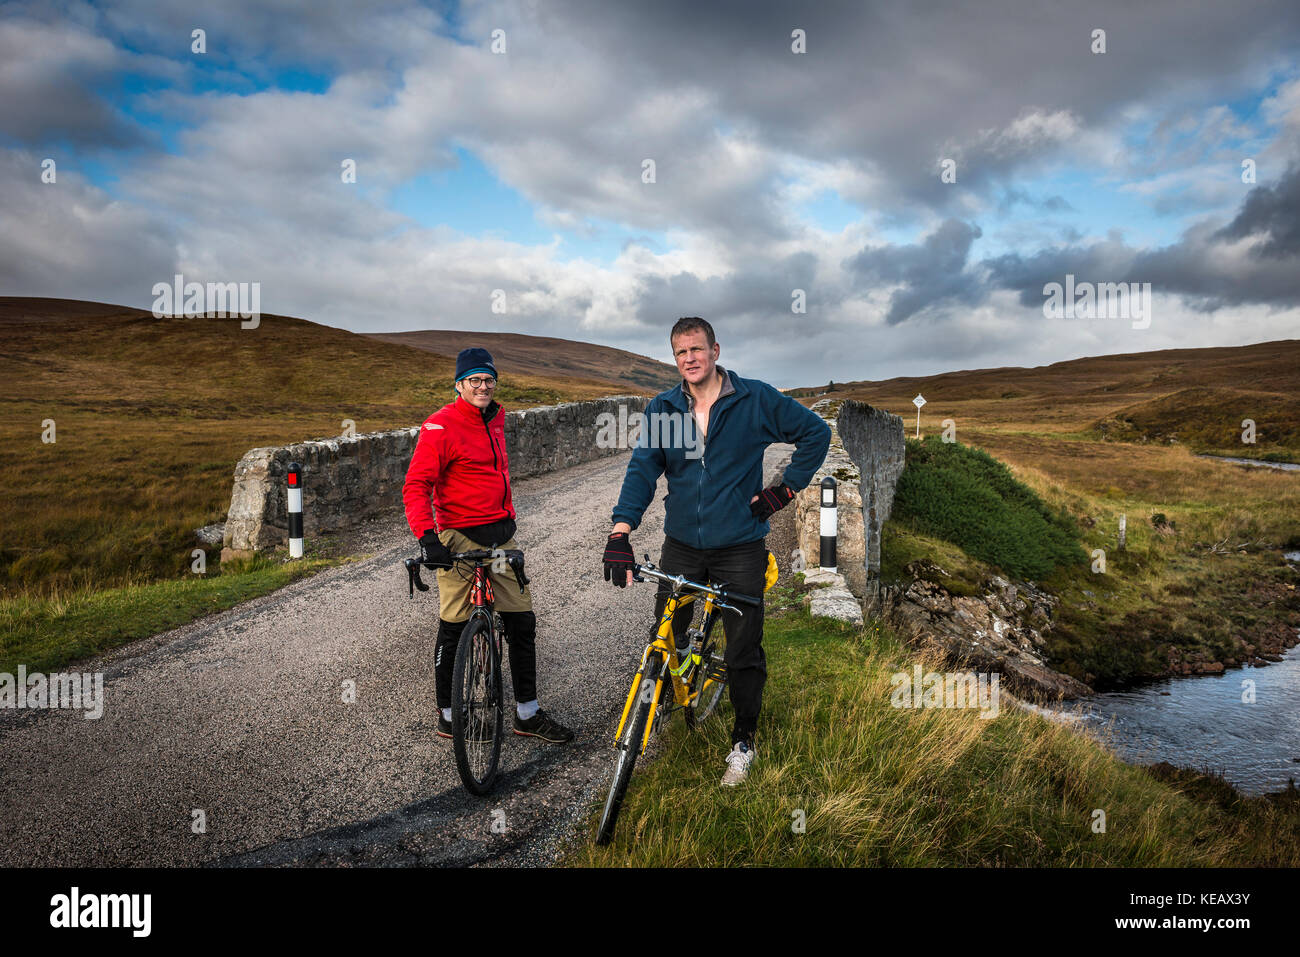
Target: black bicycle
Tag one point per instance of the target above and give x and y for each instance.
(478, 698)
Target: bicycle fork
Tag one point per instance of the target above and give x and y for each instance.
(632, 696)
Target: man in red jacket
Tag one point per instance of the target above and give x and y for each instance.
(460, 466)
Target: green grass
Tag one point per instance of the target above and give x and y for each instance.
(901, 545)
(45, 633)
(872, 785)
(965, 496)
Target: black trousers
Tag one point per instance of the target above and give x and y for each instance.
(744, 568)
(521, 639)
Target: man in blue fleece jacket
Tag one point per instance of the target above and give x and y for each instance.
(716, 510)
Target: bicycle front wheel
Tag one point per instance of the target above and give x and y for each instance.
(710, 677)
(477, 713)
(629, 745)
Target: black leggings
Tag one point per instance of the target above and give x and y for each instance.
(521, 639)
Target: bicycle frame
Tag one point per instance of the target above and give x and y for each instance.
(666, 645)
(480, 592)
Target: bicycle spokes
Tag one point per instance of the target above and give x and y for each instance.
(479, 715)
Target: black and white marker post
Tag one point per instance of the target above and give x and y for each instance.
(295, 510)
(829, 524)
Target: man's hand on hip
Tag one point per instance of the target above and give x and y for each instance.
(770, 500)
(618, 559)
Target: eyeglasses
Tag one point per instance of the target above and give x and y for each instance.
(480, 382)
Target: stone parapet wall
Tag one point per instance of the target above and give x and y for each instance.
(865, 458)
(874, 439)
(347, 480)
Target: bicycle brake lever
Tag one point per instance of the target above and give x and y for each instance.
(413, 579)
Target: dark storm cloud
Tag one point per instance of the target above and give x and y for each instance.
(1202, 266)
(48, 78)
(898, 87)
(60, 62)
(1274, 210)
(69, 240)
(929, 273)
(746, 296)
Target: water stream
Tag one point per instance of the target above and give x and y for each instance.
(1284, 466)
(1203, 722)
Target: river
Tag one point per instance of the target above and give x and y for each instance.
(1259, 463)
(1202, 723)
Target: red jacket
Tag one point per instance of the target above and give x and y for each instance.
(459, 462)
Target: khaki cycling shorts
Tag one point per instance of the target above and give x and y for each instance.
(453, 583)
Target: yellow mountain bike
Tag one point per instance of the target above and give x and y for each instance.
(694, 685)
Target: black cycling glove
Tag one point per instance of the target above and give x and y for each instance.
(618, 559)
(433, 552)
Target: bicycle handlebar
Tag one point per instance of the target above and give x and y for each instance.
(513, 556)
(681, 583)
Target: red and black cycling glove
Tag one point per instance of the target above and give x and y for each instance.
(770, 500)
(618, 559)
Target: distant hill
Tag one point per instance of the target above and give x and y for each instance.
(515, 353)
(1275, 364)
(151, 416)
(1194, 397)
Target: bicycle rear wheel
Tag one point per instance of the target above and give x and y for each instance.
(477, 713)
(628, 747)
(710, 677)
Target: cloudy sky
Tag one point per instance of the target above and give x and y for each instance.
(522, 169)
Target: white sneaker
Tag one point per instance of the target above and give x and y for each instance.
(737, 765)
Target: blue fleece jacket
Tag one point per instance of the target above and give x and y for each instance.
(707, 505)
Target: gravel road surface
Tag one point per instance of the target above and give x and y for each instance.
(241, 716)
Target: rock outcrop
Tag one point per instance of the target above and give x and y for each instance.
(1000, 630)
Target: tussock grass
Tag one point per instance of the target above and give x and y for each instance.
(1209, 419)
(877, 786)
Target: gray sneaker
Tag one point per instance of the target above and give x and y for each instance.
(738, 764)
(542, 725)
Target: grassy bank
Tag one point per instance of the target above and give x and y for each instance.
(873, 785)
(965, 496)
(45, 633)
(1200, 585)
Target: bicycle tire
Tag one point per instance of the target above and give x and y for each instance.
(710, 676)
(477, 701)
(628, 747)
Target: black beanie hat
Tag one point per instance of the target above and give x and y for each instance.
(474, 360)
